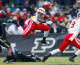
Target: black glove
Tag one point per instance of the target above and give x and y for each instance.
(15, 22)
(3, 21)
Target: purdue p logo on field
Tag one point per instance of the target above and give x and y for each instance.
(40, 48)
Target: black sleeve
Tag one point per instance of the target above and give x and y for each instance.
(2, 20)
(28, 59)
(13, 21)
(3, 31)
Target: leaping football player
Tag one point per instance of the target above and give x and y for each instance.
(71, 37)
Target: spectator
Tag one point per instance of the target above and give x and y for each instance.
(66, 14)
(8, 12)
(78, 6)
(54, 8)
(62, 10)
(32, 10)
(74, 12)
(28, 15)
(18, 11)
(27, 6)
(13, 8)
(21, 19)
(61, 17)
(58, 27)
(52, 16)
(57, 13)
(6, 6)
(67, 23)
(25, 14)
(67, 8)
(10, 18)
(57, 5)
(12, 30)
(63, 28)
(55, 20)
(53, 28)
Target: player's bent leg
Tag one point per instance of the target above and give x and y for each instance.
(62, 47)
(7, 45)
(46, 29)
(43, 41)
(28, 29)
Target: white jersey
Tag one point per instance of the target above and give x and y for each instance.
(35, 17)
(75, 27)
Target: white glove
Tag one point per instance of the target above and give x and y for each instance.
(49, 22)
(71, 38)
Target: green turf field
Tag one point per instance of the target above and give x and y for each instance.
(50, 61)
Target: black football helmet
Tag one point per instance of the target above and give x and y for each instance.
(3, 14)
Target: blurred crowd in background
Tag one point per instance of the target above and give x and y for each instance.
(61, 16)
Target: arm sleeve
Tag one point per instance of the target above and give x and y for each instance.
(3, 31)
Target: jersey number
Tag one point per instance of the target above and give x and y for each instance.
(73, 23)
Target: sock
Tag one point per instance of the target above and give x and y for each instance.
(46, 33)
(73, 56)
(44, 38)
(77, 52)
(8, 58)
(55, 51)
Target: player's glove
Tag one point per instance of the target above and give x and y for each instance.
(49, 22)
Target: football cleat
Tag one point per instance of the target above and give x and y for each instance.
(43, 42)
(45, 58)
(71, 59)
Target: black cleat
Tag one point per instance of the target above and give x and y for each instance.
(5, 60)
(43, 41)
(10, 62)
(71, 59)
(45, 58)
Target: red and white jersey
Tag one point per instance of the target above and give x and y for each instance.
(36, 15)
(75, 27)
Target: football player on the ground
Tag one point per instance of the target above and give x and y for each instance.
(71, 37)
(18, 56)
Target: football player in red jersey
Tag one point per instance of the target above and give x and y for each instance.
(47, 6)
(71, 37)
(37, 22)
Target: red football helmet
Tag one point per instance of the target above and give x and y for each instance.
(46, 4)
(78, 15)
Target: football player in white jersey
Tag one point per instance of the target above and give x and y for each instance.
(70, 38)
